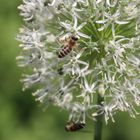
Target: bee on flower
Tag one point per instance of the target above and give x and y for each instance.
(107, 65)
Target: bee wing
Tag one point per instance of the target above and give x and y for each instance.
(64, 40)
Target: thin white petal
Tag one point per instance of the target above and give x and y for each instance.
(122, 22)
(75, 22)
(83, 35)
(81, 26)
(101, 21)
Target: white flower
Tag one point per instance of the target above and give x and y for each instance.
(111, 19)
(105, 61)
(75, 28)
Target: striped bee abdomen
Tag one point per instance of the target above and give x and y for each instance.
(71, 43)
(64, 51)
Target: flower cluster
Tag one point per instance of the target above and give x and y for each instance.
(105, 61)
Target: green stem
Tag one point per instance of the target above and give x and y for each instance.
(91, 6)
(98, 123)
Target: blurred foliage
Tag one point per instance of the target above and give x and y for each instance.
(20, 116)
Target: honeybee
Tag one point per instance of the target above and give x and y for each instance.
(72, 127)
(70, 43)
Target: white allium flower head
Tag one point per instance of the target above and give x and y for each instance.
(105, 61)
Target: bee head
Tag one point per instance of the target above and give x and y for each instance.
(74, 38)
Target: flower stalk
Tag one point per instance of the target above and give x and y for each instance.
(98, 124)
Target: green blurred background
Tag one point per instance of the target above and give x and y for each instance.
(21, 118)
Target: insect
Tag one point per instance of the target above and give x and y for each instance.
(72, 127)
(60, 71)
(70, 43)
